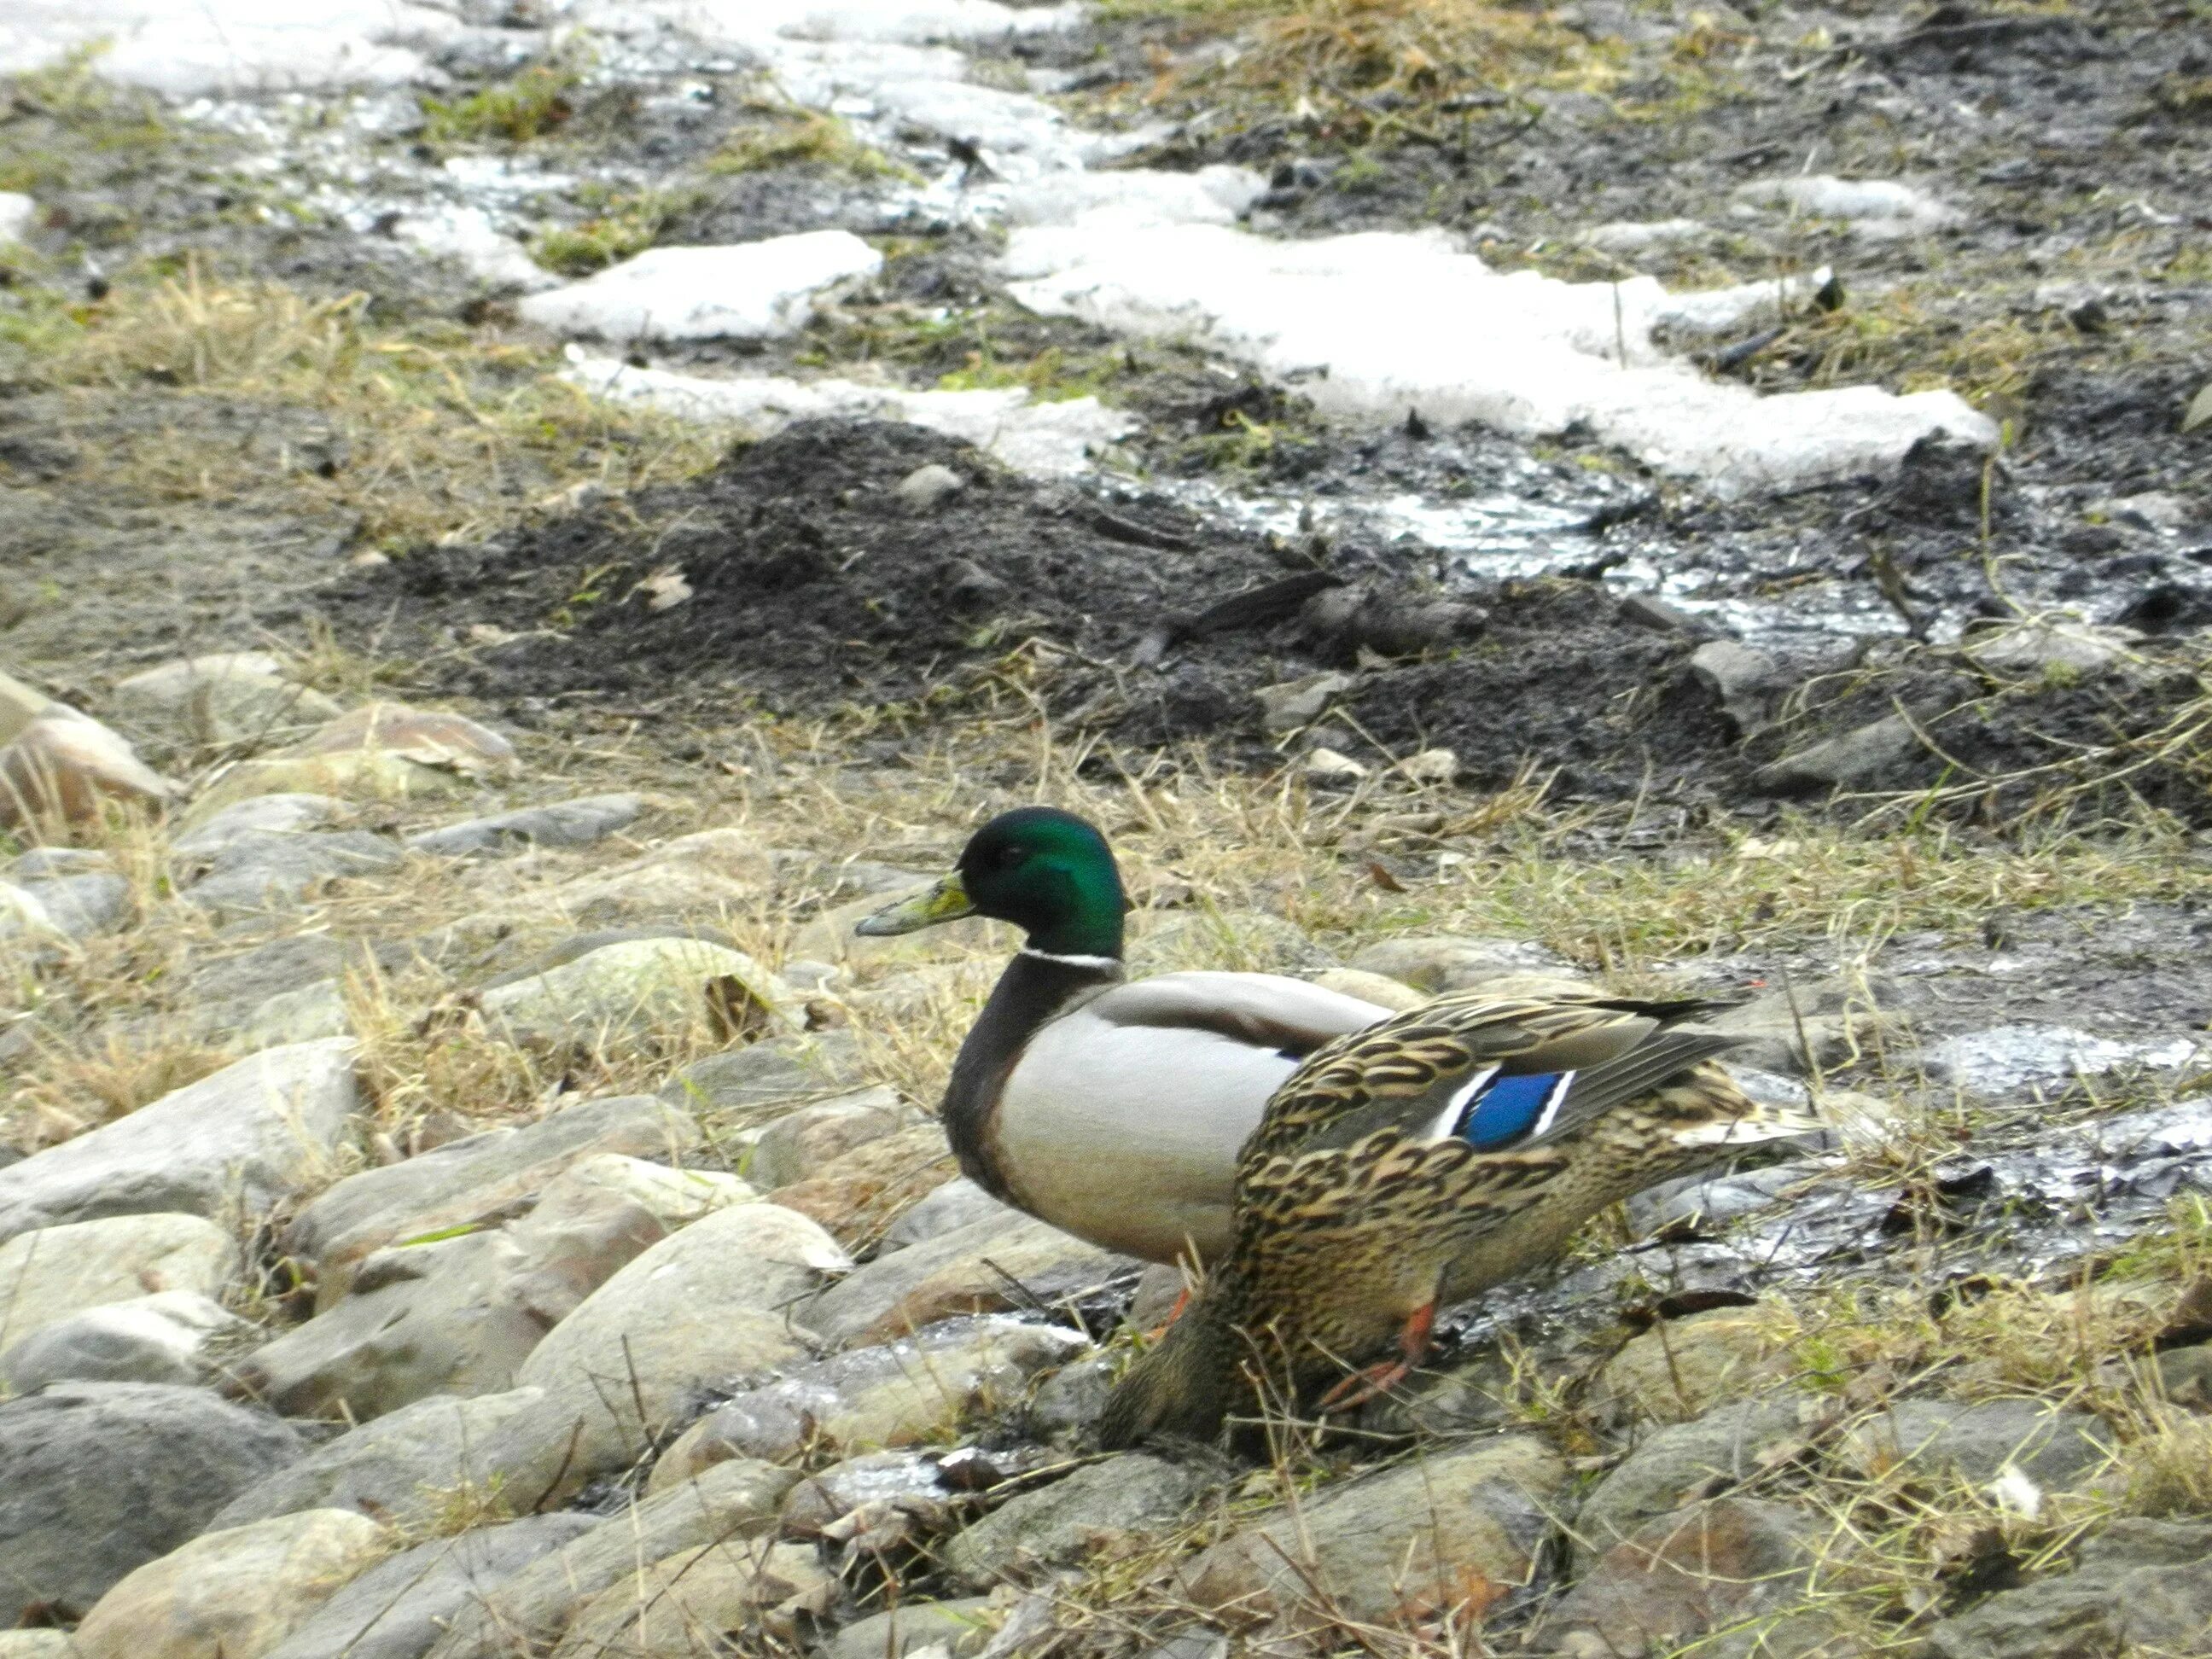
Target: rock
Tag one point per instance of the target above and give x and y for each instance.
(983, 1267)
(529, 1611)
(668, 988)
(1681, 1368)
(459, 1315)
(2158, 510)
(315, 1010)
(482, 1175)
(232, 1595)
(1746, 681)
(46, 863)
(1868, 757)
(442, 1316)
(1710, 1567)
(1456, 1529)
(1941, 1439)
(1293, 703)
(63, 766)
(53, 1273)
(1250, 941)
(81, 906)
(884, 1484)
(859, 1194)
(1329, 766)
(1632, 236)
(901, 1394)
(24, 921)
(209, 832)
(1062, 1524)
(1390, 621)
(577, 823)
(19, 705)
(960, 1626)
(163, 1338)
(400, 1606)
(1681, 1463)
(956, 1204)
(801, 1141)
(708, 875)
(270, 871)
(1430, 766)
(1378, 988)
(236, 697)
(2008, 1060)
(779, 1071)
(247, 1137)
(709, 1303)
(696, 1599)
(1071, 1400)
(2139, 1587)
(404, 1469)
(2184, 1376)
(1649, 610)
(381, 751)
(1796, 1032)
(1439, 962)
(2039, 650)
(928, 487)
(104, 1477)
(35, 1645)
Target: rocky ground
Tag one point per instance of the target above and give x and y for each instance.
(464, 1190)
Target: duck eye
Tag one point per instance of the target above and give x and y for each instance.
(1010, 856)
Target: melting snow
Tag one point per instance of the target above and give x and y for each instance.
(187, 47)
(2007, 1059)
(1041, 439)
(750, 291)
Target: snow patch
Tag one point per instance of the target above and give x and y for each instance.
(1872, 207)
(1044, 440)
(749, 291)
(16, 212)
(1379, 324)
(467, 234)
(2007, 1059)
(191, 47)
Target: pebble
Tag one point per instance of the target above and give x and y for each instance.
(960, 1626)
(928, 487)
(1329, 766)
(784, 1071)
(1293, 703)
(1436, 766)
(713, 1589)
(1675, 1464)
(85, 905)
(1978, 1442)
(1868, 756)
(802, 1140)
(2139, 1587)
(208, 832)
(1098, 1506)
(256, 870)
(662, 988)
(1746, 681)
(1680, 1368)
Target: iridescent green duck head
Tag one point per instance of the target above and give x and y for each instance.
(1047, 871)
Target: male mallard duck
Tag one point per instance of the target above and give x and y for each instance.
(1429, 1158)
(1113, 1109)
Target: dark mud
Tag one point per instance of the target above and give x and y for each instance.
(803, 581)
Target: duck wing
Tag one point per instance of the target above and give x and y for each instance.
(1492, 1073)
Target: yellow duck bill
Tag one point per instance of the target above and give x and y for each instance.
(946, 899)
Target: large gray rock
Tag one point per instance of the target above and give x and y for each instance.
(404, 1468)
(233, 697)
(401, 1607)
(276, 814)
(802, 1140)
(1456, 1529)
(1937, 1438)
(103, 1477)
(485, 1175)
(247, 1136)
(528, 1612)
(957, 1203)
(983, 1267)
(2140, 1587)
(1866, 758)
(53, 1273)
(711, 1303)
(1680, 1463)
(562, 823)
(252, 977)
(169, 1337)
(1057, 1526)
(260, 871)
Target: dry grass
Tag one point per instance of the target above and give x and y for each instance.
(436, 433)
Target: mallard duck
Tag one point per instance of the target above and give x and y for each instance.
(1423, 1161)
(1112, 1108)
